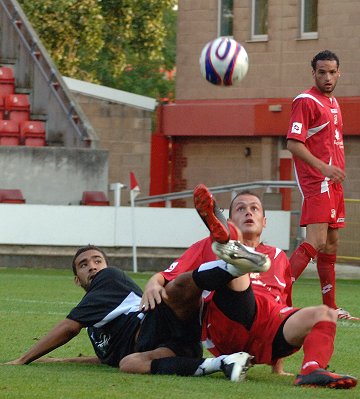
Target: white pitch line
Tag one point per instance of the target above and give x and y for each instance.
(32, 312)
(17, 300)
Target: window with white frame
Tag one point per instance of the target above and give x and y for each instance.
(226, 18)
(259, 20)
(309, 19)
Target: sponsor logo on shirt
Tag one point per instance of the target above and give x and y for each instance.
(171, 267)
(338, 140)
(296, 128)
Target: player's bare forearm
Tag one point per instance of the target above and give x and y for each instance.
(78, 359)
(299, 150)
(62, 333)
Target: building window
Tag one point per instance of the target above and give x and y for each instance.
(259, 20)
(226, 18)
(309, 19)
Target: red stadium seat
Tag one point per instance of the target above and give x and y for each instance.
(94, 198)
(9, 133)
(11, 196)
(1, 107)
(32, 133)
(7, 81)
(17, 107)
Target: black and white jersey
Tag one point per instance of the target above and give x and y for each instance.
(110, 311)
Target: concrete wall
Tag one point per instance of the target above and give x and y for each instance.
(53, 175)
(50, 225)
(124, 132)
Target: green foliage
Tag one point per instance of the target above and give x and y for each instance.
(33, 300)
(118, 43)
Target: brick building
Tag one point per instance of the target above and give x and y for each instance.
(226, 135)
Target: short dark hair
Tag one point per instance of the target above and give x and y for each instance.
(325, 55)
(84, 249)
(245, 192)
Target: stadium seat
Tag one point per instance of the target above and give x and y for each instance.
(7, 81)
(11, 196)
(95, 198)
(32, 133)
(1, 107)
(9, 133)
(17, 107)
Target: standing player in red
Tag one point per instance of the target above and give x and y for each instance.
(316, 141)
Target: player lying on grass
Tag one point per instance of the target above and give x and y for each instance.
(118, 331)
(245, 313)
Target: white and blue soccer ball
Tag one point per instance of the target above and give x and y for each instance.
(224, 62)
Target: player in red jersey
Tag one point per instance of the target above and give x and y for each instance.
(316, 141)
(252, 312)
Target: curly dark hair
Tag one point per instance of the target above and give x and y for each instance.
(325, 55)
(84, 249)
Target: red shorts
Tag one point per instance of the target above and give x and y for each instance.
(220, 335)
(327, 207)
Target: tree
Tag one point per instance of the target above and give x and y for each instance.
(123, 44)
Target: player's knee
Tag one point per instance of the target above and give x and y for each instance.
(320, 246)
(129, 364)
(183, 287)
(324, 313)
(332, 247)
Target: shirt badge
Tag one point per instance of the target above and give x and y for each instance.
(296, 128)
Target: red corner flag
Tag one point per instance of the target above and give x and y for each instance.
(134, 186)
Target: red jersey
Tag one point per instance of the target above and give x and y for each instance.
(316, 121)
(221, 335)
(272, 290)
(276, 282)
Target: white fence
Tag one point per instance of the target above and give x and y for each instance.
(25, 224)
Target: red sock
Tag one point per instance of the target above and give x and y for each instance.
(326, 271)
(300, 259)
(318, 346)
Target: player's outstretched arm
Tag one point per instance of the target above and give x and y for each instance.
(62, 333)
(77, 359)
(154, 292)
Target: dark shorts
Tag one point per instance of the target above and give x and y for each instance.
(161, 328)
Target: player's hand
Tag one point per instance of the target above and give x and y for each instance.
(278, 368)
(153, 295)
(15, 362)
(334, 173)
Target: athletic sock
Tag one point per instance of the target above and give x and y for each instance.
(213, 275)
(184, 366)
(326, 271)
(318, 346)
(300, 258)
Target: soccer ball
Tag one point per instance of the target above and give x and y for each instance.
(224, 61)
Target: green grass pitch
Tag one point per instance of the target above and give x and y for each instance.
(33, 300)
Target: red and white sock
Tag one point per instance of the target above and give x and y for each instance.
(318, 347)
(300, 258)
(326, 271)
